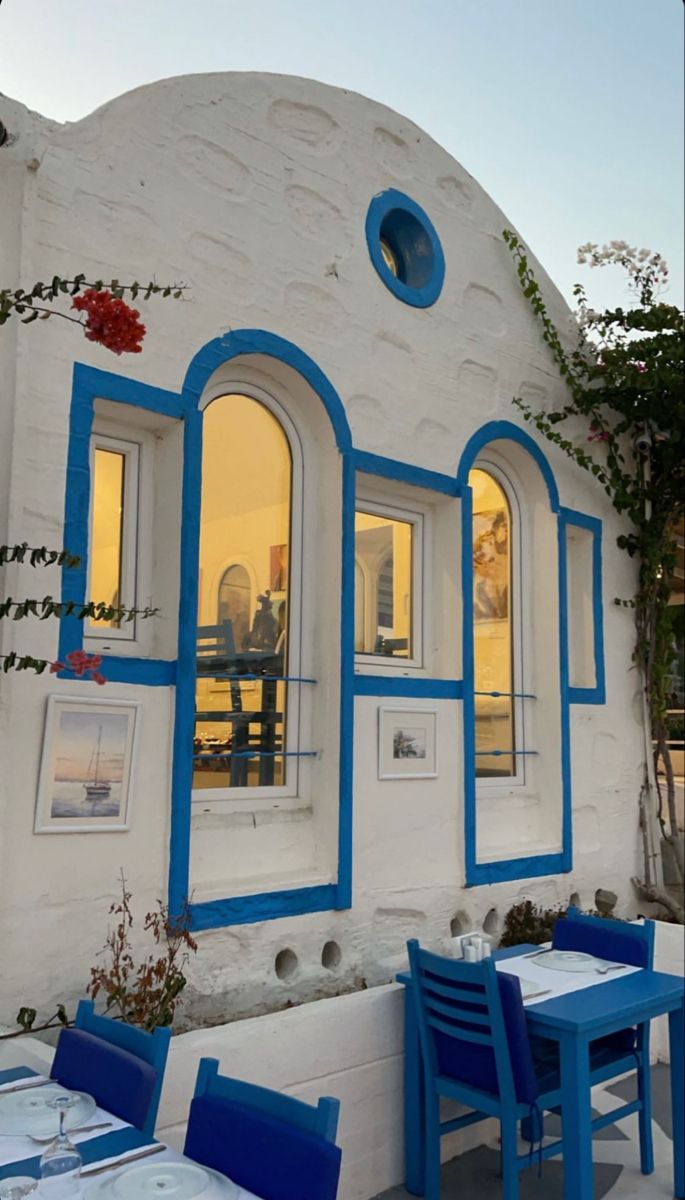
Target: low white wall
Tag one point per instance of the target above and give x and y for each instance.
(349, 1046)
(669, 956)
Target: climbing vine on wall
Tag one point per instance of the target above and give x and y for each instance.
(624, 377)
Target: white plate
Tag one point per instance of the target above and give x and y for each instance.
(164, 1181)
(569, 960)
(27, 1112)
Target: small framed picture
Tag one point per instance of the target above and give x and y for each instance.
(85, 772)
(407, 743)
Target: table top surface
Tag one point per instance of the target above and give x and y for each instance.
(630, 998)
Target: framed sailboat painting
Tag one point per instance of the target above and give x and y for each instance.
(85, 774)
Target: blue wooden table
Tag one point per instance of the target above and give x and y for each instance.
(573, 1021)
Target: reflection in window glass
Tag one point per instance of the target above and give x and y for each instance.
(240, 722)
(106, 544)
(383, 616)
(492, 615)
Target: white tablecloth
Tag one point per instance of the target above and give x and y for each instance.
(556, 983)
(16, 1149)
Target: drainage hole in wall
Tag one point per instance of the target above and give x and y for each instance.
(286, 963)
(459, 924)
(491, 923)
(330, 956)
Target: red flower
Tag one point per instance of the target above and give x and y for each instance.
(81, 664)
(110, 321)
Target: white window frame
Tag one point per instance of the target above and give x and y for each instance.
(378, 507)
(509, 783)
(251, 799)
(127, 634)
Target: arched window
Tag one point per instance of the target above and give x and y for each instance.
(242, 717)
(494, 637)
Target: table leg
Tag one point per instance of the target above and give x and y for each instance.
(576, 1117)
(676, 1037)
(414, 1104)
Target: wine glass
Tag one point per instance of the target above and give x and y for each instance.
(60, 1164)
(16, 1187)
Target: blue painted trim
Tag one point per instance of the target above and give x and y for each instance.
(403, 685)
(87, 384)
(596, 694)
(517, 868)
(390, 468)
(259, 341)
(184, 721)
(266, 906)
(346, 756)
(545, 864)
(417, 251)
(245, 909)
(108, 386)
(567, 813)
(495, 431)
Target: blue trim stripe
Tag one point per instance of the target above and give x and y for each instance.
(346, 767)
(495, 431)
(390, 468)
(404, 685)
(266, 906)
(596, 694)
(182, 772)
(258, 341)
(546, 864)
(89, 383)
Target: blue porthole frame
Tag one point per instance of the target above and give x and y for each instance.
(411, 236)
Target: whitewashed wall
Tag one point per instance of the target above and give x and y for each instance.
(253, 190)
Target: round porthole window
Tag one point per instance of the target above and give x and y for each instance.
(405, 248)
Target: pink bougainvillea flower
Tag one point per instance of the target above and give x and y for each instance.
(81, 664)
(598, 434)
(110, 321)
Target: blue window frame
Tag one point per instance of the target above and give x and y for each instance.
(405, 248)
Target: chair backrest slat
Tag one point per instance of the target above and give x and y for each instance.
(472, 1016)
(475, 995)
(464, 1035)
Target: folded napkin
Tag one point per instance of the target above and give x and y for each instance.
(19, 1077)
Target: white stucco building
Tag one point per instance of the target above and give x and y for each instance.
(435, 714)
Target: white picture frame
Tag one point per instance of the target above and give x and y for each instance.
(407, 743)
(86, 766)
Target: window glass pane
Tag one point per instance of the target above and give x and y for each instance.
(492, 631)
(383, 608)
(245, 522)
(106, 542)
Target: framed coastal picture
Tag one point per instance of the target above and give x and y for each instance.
(407, 743)
(85, 773)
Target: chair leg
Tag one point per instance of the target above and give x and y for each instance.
(432, 1145)
(510, 1166)
(644, 1091)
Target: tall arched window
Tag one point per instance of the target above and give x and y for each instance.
(494, 641)
(242, 718)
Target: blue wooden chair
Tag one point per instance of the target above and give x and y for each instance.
(476, 1050)
(273, 1145)
(634, 945)
(121, 1066)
